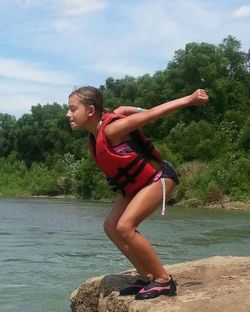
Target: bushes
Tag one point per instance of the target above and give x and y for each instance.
(189, 174)
(17, 179)
(200, 182)
(209, 183)
(13, 174)
(42, 181)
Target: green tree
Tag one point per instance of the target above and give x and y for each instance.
(7, 134)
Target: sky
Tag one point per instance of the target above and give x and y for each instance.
(49, 47)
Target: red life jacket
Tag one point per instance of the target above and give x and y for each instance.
(129, 172)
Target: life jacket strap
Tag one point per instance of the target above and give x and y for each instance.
(131, 178)
(124, 172)
(145, 147)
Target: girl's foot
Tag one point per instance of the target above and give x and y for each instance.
(155, 289)
(134, 288)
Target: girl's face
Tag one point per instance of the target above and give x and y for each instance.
(78, 113)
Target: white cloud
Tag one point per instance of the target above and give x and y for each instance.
(18, 69)
(30, 3)
(66, 26)
(78, 7)
(121, 69)
(68, 15)
(64, 7)
(161, 27)
(17, 97)
(17, 104)
(242, 12)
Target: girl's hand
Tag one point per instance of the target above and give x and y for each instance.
(199, 97)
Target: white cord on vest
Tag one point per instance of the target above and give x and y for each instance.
(164, 193)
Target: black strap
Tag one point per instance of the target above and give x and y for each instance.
(144, 147)
(92, 141)
(131, 178)
(124, 172)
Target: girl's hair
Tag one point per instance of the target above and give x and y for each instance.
(91, 96)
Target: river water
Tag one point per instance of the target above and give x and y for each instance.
(49, 246)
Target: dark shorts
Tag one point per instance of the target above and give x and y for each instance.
(168, 171)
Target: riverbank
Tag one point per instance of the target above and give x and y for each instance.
(226, 203)
(212, 284)
(234, 205)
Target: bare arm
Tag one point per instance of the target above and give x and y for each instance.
(128, 110)
(122, 127)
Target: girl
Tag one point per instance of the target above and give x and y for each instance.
(134, 167)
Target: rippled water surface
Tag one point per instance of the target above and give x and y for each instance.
(49, 246)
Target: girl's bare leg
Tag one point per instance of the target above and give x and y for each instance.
(124, 221)
(110, 225)
(143, 204)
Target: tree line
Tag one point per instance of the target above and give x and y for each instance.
(40, 155)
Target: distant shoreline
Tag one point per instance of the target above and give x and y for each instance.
(226, 204)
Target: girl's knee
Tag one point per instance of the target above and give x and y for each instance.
(125, 231)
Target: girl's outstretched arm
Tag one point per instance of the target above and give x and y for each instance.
(124, 126)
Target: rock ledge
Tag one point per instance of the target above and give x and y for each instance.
(213, 284)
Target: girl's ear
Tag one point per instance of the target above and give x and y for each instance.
(91, 110)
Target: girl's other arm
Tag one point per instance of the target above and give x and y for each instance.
(128, 110)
